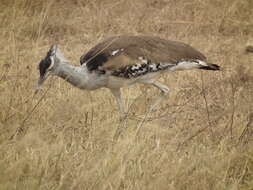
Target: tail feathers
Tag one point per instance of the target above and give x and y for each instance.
(194, 64)
(213, 67)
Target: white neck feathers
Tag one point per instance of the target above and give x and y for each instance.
(79, 76)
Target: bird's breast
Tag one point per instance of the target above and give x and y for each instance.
(95, 81)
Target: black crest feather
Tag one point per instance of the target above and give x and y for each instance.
(44, 64)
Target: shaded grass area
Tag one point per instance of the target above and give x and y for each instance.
(200, 138)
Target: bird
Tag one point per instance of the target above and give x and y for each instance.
(121, 61)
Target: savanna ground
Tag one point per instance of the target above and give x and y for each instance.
(62, 138)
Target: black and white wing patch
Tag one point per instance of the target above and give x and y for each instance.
(145, 66)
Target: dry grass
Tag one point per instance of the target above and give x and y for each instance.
(200, 138)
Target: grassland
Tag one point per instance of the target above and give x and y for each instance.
(62, 138)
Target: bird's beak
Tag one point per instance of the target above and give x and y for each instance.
(41, 81)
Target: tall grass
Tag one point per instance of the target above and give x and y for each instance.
(62, 138)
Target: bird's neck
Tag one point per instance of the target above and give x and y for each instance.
(77, 76)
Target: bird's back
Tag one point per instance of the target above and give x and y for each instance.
(120, 51)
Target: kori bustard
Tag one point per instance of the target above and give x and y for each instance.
(122, 61)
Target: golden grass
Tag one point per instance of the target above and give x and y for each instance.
(62, 138)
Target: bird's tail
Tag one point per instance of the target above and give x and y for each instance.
(194, 64)
(208, 66)
(213, 67)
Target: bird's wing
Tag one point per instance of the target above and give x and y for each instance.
(122, 51)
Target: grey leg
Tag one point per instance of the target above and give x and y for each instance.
(162, 87)
(117, 95)
(165, 92)
(119, 130)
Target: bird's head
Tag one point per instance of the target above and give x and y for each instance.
(48, 65)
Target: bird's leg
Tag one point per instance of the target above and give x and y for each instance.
(165, 93)
(117, 95)
(165, 90)
(123, 114)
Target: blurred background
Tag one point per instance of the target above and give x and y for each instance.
(62, 138)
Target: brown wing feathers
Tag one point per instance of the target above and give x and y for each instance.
(98, 55)
(129, 49)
